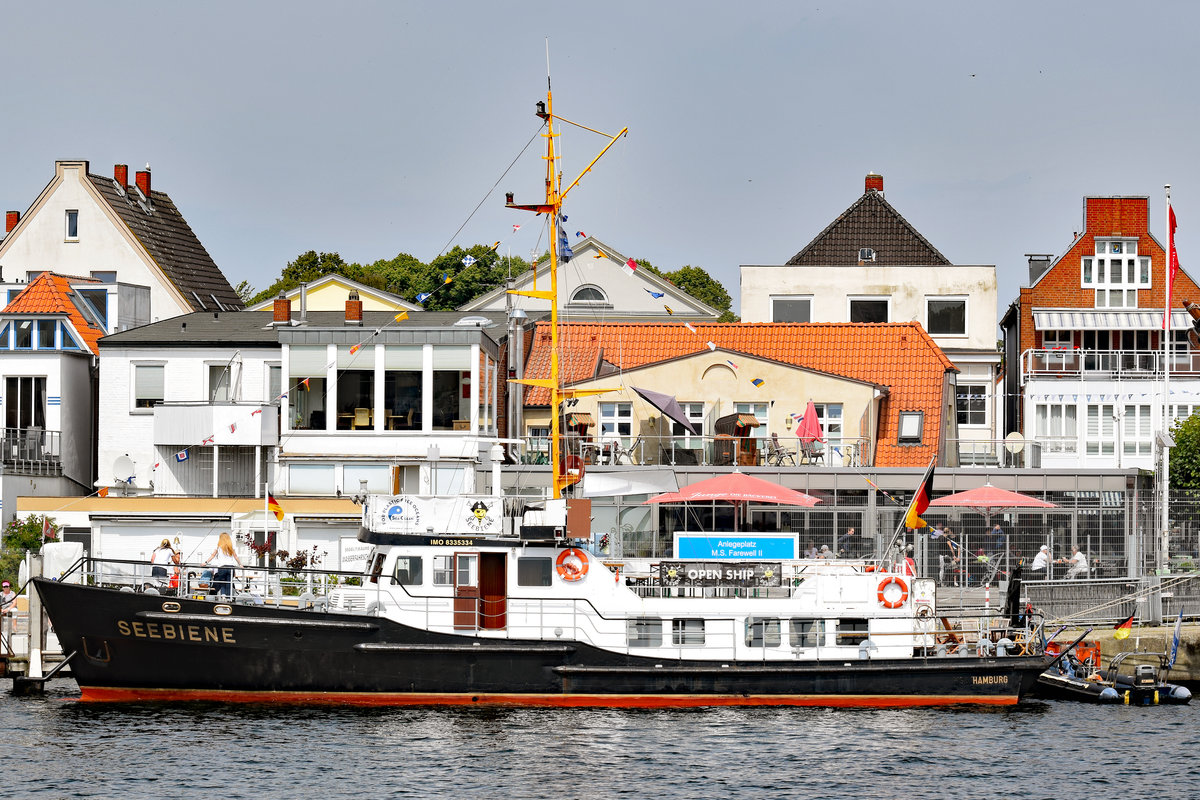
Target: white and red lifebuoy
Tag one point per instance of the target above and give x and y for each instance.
(896, 597)
(572, 564)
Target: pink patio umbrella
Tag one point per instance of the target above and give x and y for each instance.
(808, 429)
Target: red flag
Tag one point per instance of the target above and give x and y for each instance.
(1172, 266)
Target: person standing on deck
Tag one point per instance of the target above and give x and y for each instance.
(8, 599)
(224, 558)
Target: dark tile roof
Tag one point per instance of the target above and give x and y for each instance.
(250, 328)
(869, 222)
(172, 244)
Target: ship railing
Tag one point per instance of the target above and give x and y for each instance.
(252, 585)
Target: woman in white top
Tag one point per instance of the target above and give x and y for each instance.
(1041, 560)
(224, 558)
(161, 559)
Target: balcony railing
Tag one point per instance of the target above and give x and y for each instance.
(31, 451)
(787, 451)
(1004, 453)
(1106, 364)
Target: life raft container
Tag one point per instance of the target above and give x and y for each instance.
(883, 593)
(571, 564)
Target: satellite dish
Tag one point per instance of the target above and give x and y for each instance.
(1014, 442)
(123, 469)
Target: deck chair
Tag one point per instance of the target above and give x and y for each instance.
(776, 453)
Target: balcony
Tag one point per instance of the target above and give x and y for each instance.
(31, 451)
(719, 450)
(1106, 364)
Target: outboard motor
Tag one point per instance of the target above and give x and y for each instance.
(1145, 675)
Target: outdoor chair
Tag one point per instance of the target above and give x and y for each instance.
(776, 453)
(362, 418)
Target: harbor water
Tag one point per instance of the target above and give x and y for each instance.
(55, 747)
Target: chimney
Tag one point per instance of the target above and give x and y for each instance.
(1039, 265)
(121, 175)
(353, 309)
(283, 309)
(142, 177)
(10, 220)
(874, 183)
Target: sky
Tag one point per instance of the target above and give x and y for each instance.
(378, 128)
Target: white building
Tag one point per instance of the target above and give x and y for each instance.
(871, 265)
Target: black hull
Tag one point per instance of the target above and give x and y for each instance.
(130, 648)
(1054, 686)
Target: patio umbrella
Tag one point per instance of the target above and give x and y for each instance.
(808, 429)
(737, 487)
(667, 404)
(988, 499)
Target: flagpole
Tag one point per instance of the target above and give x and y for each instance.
(1165, 482)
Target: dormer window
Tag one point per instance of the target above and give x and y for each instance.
(912, 424)
(866, 254)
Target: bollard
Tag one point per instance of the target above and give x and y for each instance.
(987, 596)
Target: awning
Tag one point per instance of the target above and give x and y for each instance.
(1088, 320)
(579, 418)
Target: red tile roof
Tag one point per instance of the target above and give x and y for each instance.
(900, 356)
(50, 294)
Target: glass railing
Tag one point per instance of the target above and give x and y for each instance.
(721, 450)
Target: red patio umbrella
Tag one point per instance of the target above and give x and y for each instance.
(988, 498)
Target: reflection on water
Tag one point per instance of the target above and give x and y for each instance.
(68, 749)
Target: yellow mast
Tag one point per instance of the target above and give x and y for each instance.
(553, 207)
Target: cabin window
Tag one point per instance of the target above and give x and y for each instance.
(443, 570)
(687, 632)
(533, 571)
(762, 632)
(408, 571)
(643, 632)
(851, 631)
(807, 633)
(377, 567)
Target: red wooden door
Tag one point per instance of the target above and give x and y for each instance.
(466, 591)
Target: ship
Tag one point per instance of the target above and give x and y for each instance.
(506, 601)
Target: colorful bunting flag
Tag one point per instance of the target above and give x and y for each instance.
(597, 254)
(655, 294)
(233, 427)
(712, 346)
(207, 441)
(423, 296)
(516, 227)
(403, 315)
(730, 363)
(304, 383)
(758, 382)
(690, 326)
(354, 348)
(256, 411)
(669, 310)
(181, 456)
(580, 234)
(467, 261)
(495, 247)
(630, 266)
(103, 492)
(446, 278)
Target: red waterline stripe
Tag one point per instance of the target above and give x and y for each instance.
(109, 694)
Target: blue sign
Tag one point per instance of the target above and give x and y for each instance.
(736, 546)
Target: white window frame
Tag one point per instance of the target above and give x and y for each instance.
(616, 417)
(71, 225)
(137, 367)
(1056, 427)
(212, 372)
(911, 427)
(695, 415)
(973, 403)
(589, 301)
(873, 298)
(949, 298)
(791, 298)
(1101, 428)
(1137, 435)
(1132, 272)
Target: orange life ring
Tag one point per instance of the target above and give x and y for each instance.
(571, 564)
(883, 601)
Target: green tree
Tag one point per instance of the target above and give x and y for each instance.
(702, 286)
(307, 267)
(21, 535)
(1185, 456)
(245, 292)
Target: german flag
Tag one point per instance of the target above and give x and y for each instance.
(920, 502)
(274, 507)
(1121, 631)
